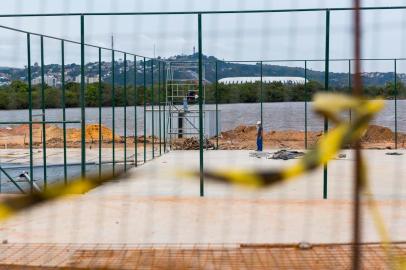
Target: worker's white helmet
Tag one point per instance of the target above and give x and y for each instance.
(258, 123)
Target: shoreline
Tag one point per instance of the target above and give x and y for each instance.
(240, 138)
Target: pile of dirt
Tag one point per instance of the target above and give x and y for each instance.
(54, 134)
(92, 134)
(376, 133)
(190, 144)
(245, 133)
(240, 133)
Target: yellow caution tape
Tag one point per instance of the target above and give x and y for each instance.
(13, 205)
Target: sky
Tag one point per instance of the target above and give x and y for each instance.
(286, 36)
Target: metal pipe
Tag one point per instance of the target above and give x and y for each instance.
(152, 109)
(37, 122)
(358, 92)
(217, 108)
(30, 111)
(44, 137)
(201, 104)
(159, 108)
(261, 94)
(82, 96)
(135, 114)
(164, 113)
(305, 103)
(396, 104)
(201, 12)
(125, 112)
(100, 98)
(113, 109)
(65, 170)
(326, 85)
(145, 111)
(14, 182)
(349, 85)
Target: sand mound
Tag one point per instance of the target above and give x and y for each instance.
(240, 133)
(55, 134)
(92, 134)
(376, 133)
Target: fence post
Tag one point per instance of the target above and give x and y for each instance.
(217, 108)
(113, 109)
(306, 99)
(261, 95)
(30, 110)
(82, 96)
(135, 113)
(152, 109)
(100, 97)
(164, 114)
(326, 83)
(65, 170)
(201, 104)
(396, 104)
(159, 108)
(44, 136)
(125, 112)
(349, 85)
(145, 113)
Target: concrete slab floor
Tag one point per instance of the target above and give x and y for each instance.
(157, 206)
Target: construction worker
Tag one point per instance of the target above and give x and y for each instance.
(260, 133)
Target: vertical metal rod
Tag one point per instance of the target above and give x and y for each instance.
(30, 110)
(306, 100)
(261, 95)
(100, 97)
(396, 103)
(145, 111)
(113, 109)
(357, 91)
(326, 85)
(349, 85)
(65, 170)
(135, 113)
(159, 108)
(125, 112)
(82, 96)
(164, 111)
(217, 107)
(152, 109)
(44, 141)
(201, 104)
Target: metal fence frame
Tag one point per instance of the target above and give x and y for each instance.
(199, 17)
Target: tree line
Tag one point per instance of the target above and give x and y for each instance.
(16, 95)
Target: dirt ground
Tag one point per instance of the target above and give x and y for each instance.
(244, 138)
(240, 138)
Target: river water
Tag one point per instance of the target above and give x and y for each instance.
(277, 116)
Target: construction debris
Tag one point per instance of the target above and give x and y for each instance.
(342, 156)
(190, 144)
(394, 154)
(286, 155)
(258, 154)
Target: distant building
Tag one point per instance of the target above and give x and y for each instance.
(48, 80)
(284, 80)
(88, 80)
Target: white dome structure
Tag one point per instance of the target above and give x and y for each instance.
(284, 80)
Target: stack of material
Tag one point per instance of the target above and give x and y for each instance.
(286, 155)
(190, 144)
